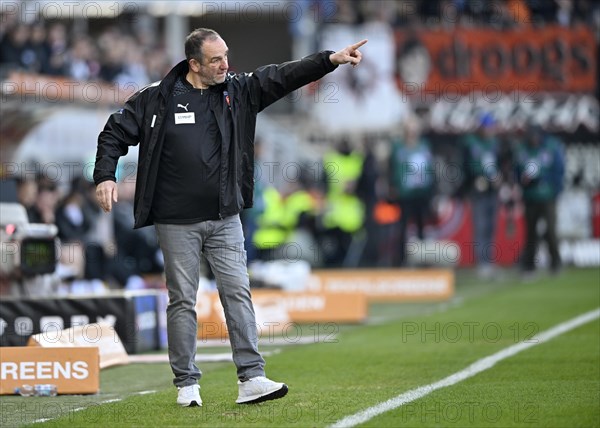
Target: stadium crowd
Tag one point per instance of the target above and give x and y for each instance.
(115, 55)
(125, 54)
(353, 212)
(472, 13)
(363, 215)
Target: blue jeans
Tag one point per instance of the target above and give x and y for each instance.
(222, 242)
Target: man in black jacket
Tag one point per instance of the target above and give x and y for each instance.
(195, 175)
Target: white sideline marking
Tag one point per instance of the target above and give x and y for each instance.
(475, 368)
(77, 409)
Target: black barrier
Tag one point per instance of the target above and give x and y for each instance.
(134, 319)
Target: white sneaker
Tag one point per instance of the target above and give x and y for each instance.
(189, 396)
(259, 389)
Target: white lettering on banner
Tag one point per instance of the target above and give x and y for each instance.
(581, 253)
(407, 286)
(109, 319)
(146, 320)
(52, 322)
(8, 368)
(80, 370)
(514, 110)
(23, 326)
(29, 370)
(77, 320)
(3, 325)
(44, 370)
(303, 304)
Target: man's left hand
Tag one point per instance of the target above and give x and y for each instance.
(349, 54)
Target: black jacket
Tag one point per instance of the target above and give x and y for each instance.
(243, 97)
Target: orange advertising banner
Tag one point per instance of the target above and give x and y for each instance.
(275, 310)
(387, 284)
(465, 60)
(72, 370)
(317, 307)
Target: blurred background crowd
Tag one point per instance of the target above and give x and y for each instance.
(136, 53)
(482, 190)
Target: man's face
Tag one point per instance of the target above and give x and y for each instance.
(214, 66)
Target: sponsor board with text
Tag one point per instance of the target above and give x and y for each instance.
(275, 310)
(387, 284)
(132, 315)
(73, 370)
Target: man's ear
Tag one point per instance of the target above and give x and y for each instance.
(194, 65)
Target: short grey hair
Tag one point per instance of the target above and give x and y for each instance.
(195, 40)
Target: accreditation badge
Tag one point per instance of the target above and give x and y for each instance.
(181, 118)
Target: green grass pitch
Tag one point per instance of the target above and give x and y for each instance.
(401, 347)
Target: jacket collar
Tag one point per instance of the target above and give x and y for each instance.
(167, 83)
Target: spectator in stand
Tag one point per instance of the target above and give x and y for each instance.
(568, 12)
(46, 202)
(83, 62)
(482, 179)
(7, 22)
(27, 192)
(157, 64)
(412, 180)
(25, 48)
(58, 46)
(367, 192)
(540, 171)
(38, 50)
(133, 71)
(13, 47)
(73, 223)
(71, 217)
(114, 49)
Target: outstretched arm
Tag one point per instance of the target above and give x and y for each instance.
(273, 82)
(349, 54)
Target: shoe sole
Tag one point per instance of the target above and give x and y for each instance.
(192, 404)
(280, 393)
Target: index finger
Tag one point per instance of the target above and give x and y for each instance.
(359, 44)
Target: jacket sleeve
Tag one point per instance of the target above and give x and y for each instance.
(121, 131)
(272, 82)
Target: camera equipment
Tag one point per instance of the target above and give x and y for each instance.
(27, 249)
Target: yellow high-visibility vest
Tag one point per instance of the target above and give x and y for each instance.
(340, 169)
(344, 211)
(272, 228)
